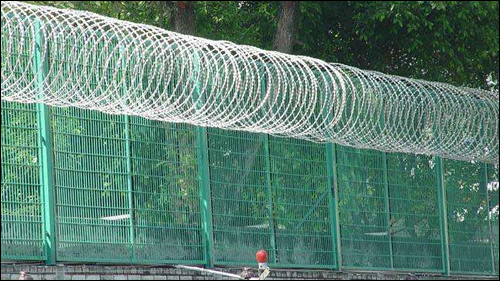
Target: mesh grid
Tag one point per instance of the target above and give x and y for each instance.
(470, 248)
(93, 211)
(22, 203)
(240, 206)
(363, 219)
(493, 188)
(301, 205)
(166, 201)
(415, 224)
(127, 188)
(267, 193)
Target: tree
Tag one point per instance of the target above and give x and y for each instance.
(455, 42)
(288, 23)
(182, 20)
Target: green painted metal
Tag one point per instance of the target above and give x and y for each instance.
(363, 223)
(130, 187)
(388, 207)
(331, 162)
(414, 207)
(132, 190)
(205, 195)
(204, 175)
(239, 201)
(488, 203)
(301, 203)
(468, 218)
(21, 190)
(167, 209)
(269, 196)
(128, 154)
(46, 154)
(443, 215)
(493, 189)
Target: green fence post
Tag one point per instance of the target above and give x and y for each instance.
(204, 189)
(128, 152)
(205, 195)
(387, 203)
(333, 200)
(490, 227)
(269, 195)
(443, 215)
(45, 143)
(130, 185)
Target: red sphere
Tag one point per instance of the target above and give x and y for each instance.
(262, 256)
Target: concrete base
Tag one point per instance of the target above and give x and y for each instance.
(105, 272)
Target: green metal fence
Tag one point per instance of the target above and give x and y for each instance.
(131, 190)
(22, 201)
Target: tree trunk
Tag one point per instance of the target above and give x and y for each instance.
(286, 31)
(182, 20)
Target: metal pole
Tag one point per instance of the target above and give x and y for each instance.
(130, 186)
(331, 163)
(443, 215)
(269, 195)
(269, 190)
(128, 153)
(205, 192)
(45, 143)
(388, 207)
(490, 227)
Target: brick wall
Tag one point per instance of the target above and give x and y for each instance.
(96, 272)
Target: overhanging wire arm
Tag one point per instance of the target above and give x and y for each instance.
(99, 63)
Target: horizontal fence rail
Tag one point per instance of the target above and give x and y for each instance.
(136, 191)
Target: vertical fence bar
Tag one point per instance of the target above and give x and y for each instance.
(269, 195)
(269, 191)
(331, 163)
(130, 186)
(387, 203)
(128, 152)
(205, 195)
(490, 227)
(45, 143)
(204, 189)
(443, 215)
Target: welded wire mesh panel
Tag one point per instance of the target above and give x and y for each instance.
(301, 203)
(362, 207)
(91, 180)
(165, 188)
(415, 226)
(494, 210)
(469, 237)
(240, 202)
(22, 222)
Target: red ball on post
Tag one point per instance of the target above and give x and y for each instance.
(262, 258)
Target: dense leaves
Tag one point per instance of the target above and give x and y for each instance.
(448, 41)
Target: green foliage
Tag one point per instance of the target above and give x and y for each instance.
(448, 41)
(455, 42)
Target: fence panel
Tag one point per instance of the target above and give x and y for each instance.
(415, 225)
(493, 186)
(362, 204)
(93, 211)
(165, 191)
(240, 207)
(22, 201)
(301, 204)
(466, 194)
(128, 191)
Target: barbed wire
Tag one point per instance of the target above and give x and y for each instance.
(73, 58)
